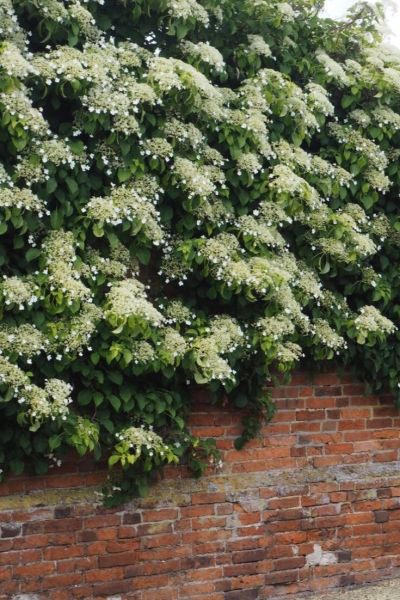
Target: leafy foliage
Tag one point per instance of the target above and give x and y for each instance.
(191, 192)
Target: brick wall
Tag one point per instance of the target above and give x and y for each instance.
(313, 504)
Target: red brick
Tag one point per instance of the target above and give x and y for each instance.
(207, 498)
(117, 559)
(287, 564)
(281, 577)
(226, 545)
(379, 423)
(246, 556)
(34, 570)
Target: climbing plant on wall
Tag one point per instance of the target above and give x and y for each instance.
(192, 192)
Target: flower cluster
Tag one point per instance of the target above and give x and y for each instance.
(128, 298)
(370, 320)
(188, 9)
(258, 45)
(143, 353)
(17, 103)
(193, 178)
(275, 327)
(34, 167)
(205, 53)
(346, 135)
(328, 336)
(25, 340)
(23, 199)
(383, 115)
(127, 204)
(72, 335)
(63, 276)
(224, 337)
(333, 69)
(172, 346)
(133, 442)
(318, 99)
(284, 182)
(285, 11)
(19, 292)
(39, 404)
(13, 61)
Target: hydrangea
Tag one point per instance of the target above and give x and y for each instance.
(285, 11)
(127, 203)
(347, 135)
(188, 9)
(13, 62)
(275, 327)
(177, 312)
(23, 199)
(24, 340)
(17, 103)
(185, 133)
(128, 298)
(143, 353)
(258, 46)
(73, 335)
(383, 115)
(158, 148)
(318, 99)
(289, 353)
(179, 229)
(327, 336)
(249, 163)
(260, 232)
(63, 276)
(193, 178)
(370, 320)
(205, 53)
(172, 346)
(284, 181)
(11, 375)
(333, 69)
(85, 20)
(20, 292)
(50, 402)
(135, 442)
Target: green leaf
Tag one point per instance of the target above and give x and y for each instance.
(123, 174)
(114, 401)
(143, 255)
(115, 377)
(32, 253)
(98, 230)
(113, 459)
(347, 101)
(51, 185)
(72, 185)
(85, 397)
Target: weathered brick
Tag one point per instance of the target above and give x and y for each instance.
(131, 518)
(9, 530)
(252, 594)
(226, 539)
(381, 516)
(246, 556)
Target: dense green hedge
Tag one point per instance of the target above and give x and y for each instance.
(192, 192)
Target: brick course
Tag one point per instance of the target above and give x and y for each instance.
(310, 505)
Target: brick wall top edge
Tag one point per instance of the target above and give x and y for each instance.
(175, 491)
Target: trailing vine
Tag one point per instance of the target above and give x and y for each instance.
(192, 192)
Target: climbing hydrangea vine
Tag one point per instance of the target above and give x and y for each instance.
(192, 192)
